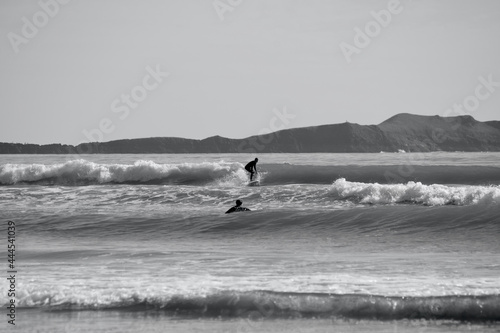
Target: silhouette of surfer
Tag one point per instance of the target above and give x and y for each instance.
(252, 167)
(237, 208)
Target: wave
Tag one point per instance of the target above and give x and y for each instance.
(383, 174)
(82, 172)
(391, 221)
(417, 193)
(268, 304)
(220, 180)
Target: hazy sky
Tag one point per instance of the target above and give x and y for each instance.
(239, 67)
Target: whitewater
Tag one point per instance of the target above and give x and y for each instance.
(379, 241)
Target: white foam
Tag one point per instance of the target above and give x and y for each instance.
(140, 171)
(415, 192)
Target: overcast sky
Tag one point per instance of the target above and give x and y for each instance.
(88, 70)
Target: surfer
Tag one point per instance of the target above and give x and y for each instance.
(237, 208)
(252, 167)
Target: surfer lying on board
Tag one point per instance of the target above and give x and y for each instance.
(237, 208)
(251, 166)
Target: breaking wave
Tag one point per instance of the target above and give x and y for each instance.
(267, 304)
(416, 193)
(313, 186)
(82, 172)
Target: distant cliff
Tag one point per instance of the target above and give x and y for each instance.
(401, 132)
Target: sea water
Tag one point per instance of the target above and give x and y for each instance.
(333, 243)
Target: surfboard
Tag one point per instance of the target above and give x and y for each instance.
(254, 183)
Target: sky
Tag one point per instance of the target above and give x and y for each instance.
(75, 71)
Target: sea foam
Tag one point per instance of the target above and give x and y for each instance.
(81, 172)
(414, 192)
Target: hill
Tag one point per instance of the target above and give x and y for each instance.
(403, 131)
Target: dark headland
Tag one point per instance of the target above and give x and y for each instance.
(411, 133)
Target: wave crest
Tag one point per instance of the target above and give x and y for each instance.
(82, 172)
(414, 192)
(267, 304)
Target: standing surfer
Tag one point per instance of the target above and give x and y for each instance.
(252, 167)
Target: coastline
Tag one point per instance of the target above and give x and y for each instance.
(400, 133)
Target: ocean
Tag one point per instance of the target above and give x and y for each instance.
(388, 242)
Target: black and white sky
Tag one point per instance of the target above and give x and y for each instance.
(92, 70)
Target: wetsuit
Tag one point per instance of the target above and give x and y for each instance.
(237, 209)
(250, 167)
